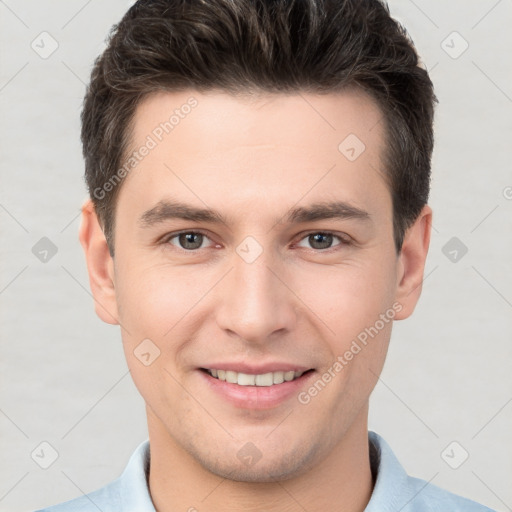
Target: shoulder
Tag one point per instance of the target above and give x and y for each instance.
(395, 490)
(105, 499)
(427, 497)
(126, 493)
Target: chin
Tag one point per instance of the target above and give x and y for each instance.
(250, 465)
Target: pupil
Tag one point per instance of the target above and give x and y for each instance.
(188, 238)
(327, 239)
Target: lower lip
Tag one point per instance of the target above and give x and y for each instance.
(257, 397)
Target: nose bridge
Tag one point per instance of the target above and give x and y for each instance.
(255, 302)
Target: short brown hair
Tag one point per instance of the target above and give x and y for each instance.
(276, 46)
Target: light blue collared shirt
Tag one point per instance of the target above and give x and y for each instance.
(394, 490)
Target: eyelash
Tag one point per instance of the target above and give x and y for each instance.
(344, 242)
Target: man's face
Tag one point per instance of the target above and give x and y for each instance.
(260, 288)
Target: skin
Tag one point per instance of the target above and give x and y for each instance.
(253, 160)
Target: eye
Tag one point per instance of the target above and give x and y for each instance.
(187, 240)
(193, 240)
(322, 240)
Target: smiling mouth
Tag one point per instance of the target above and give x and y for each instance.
(259, 380)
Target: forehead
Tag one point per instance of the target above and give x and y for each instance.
(216, 118)
(218, 148)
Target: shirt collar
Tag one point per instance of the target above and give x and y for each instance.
(134, 482)
(389, 476)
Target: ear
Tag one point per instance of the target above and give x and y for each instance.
(100, 265)
(411, 263)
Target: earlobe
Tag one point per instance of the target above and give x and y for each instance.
(100, 265)
(411, 264)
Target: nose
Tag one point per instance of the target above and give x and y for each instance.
(255, 302)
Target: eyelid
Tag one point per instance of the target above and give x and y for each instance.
(169, 236)
(345, 240)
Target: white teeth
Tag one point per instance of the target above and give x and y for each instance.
(264, 379)
(231, 377)
(289, 375)
(245, 379)
(278, 377)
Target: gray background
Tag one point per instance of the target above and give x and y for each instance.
(64, 379)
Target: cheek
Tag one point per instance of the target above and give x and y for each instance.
(149, 311)
(157, 307)
(351, 305)
(152, 300)
(347, 298)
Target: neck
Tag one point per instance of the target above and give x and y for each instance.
(178, 481)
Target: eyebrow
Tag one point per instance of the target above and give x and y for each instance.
(168, 209)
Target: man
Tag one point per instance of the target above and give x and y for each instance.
(259, 176)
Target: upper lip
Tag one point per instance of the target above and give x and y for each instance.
(257, 369)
